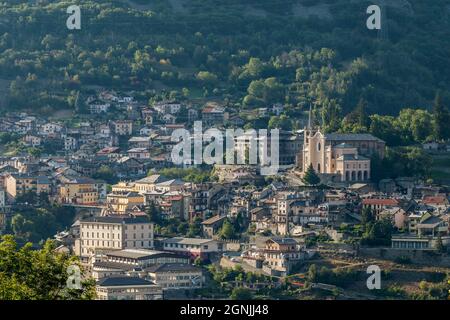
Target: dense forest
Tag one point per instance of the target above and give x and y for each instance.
(250, 53)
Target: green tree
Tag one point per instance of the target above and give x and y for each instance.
(240, 293)
(378, 233)
(311, 177)
(195, 228)
(312, 273)
(367, 216)
(38, 274)
(227, 230)
(440, 245)
(152, 213)
(105, 173)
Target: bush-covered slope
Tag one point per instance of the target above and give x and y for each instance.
(253, 52)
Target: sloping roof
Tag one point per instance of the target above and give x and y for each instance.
(351, 137)
(171, 182)
(435, 200)
(344, 145)
(381, 202)
(154, 178)
(213, 220)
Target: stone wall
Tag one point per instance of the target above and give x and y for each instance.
(423, 257)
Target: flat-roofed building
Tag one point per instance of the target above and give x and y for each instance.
(126, 261)
(193, 247)
(176, 276)
(127, 288)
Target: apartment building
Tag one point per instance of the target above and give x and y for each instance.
(123, 127)
(122, 202)
(19, 183)
(281, 254)
(83, 191)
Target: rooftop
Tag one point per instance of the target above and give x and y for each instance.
(123, 281)
(191, 241)
(117, 219)
(351, 137)
(139, 254)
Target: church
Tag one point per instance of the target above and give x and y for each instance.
(339, 157)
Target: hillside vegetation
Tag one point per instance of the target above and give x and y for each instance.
(251, 53)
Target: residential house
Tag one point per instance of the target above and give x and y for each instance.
(83, 191)
(123, 202)
(123, 127)
(139, 153)
(17, 184)
(212, 225)
(140, 142)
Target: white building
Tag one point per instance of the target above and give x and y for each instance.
(114, 233)
(127, 288)
(193, 247)
(70, 143)
(167, 107)
(176, 276)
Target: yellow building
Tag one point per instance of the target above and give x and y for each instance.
(79, 191)
(122, 202)
(123, 187)
(17, 184)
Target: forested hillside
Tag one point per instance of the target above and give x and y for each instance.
(298, 52)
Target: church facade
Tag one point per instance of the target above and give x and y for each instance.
(345, 157)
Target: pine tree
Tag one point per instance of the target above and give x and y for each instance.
(367, 216)
(311, 177)
(152, 213)
(227, 230)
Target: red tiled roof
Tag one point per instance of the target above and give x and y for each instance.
(435, 200)
(381, 202)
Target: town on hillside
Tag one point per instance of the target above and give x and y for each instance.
(105, 188)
